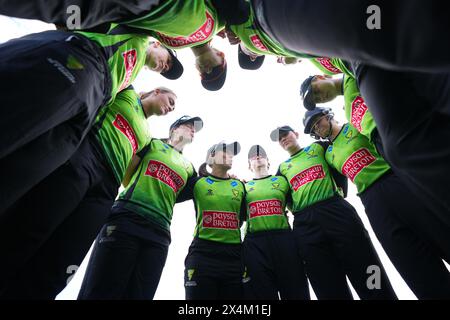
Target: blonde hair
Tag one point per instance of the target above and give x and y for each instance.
(162, 89)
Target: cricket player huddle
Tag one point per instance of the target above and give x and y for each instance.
(75, 130)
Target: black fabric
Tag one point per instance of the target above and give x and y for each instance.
(48, 106)
(218, 271)
(413, 125)
(53, 203)
(393, 213)
(93, 13)
(50, 269)
(334, 243)
(273, 267)
(408, 38)
(123, 266)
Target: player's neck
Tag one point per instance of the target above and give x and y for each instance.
(261, 172)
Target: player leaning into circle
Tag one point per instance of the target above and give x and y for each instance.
(397, 217)
(330, 235)
(395, 134)
(324, 88)
(213, 266)
(42, 234)
(131, 249)
(201, 23)
(273, 269)
(75, 74)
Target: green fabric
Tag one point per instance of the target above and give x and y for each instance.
(331, 66)
(356, 110)
(158, 180)
(203, 33)
(173, 18)
(122, 131)
(309, 177)
(257, 41)
(266, 204)
(354, 156)
(218, 205)
(127, 54)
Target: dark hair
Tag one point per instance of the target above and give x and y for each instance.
(202, 170)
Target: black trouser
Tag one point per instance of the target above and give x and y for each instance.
(53, 207)
(409, 28)
(273, 267)
(92, 14)
(334, 243)
(52, 86)
(50, 269)
(413, 121)
(213, 271)
(390, 208)
(127, 260)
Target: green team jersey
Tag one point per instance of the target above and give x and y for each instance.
(353, 155)
(356, 110)
(332, 66)
(175, 18)
(122, 130)
(159, 179)
(257, 41)
(204, 31)
(125, 52)
(266, 204)
(219, 206)
(309, 177)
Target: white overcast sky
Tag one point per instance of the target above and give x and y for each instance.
(246, 109)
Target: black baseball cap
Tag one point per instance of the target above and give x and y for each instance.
(275, 134)
(306, 93)
(197, 121)
(245, 61)
(312, 115)
(234, 147)
(257, 150)
(214, 80)
(176, 70)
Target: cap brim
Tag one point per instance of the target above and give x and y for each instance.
(275, 134)
(176, 70)
(235, 146)
(254, 152)
(215, 80)
(197, 121)
(245, 62)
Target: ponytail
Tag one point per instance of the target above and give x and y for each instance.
(202, 170)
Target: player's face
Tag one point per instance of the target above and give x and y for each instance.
(186, 131)
(158, 58)
(224, 159)
(258, 162)
(321, 127)
(209, 59)
(164, 102)
(323, 89)
(287, 140)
